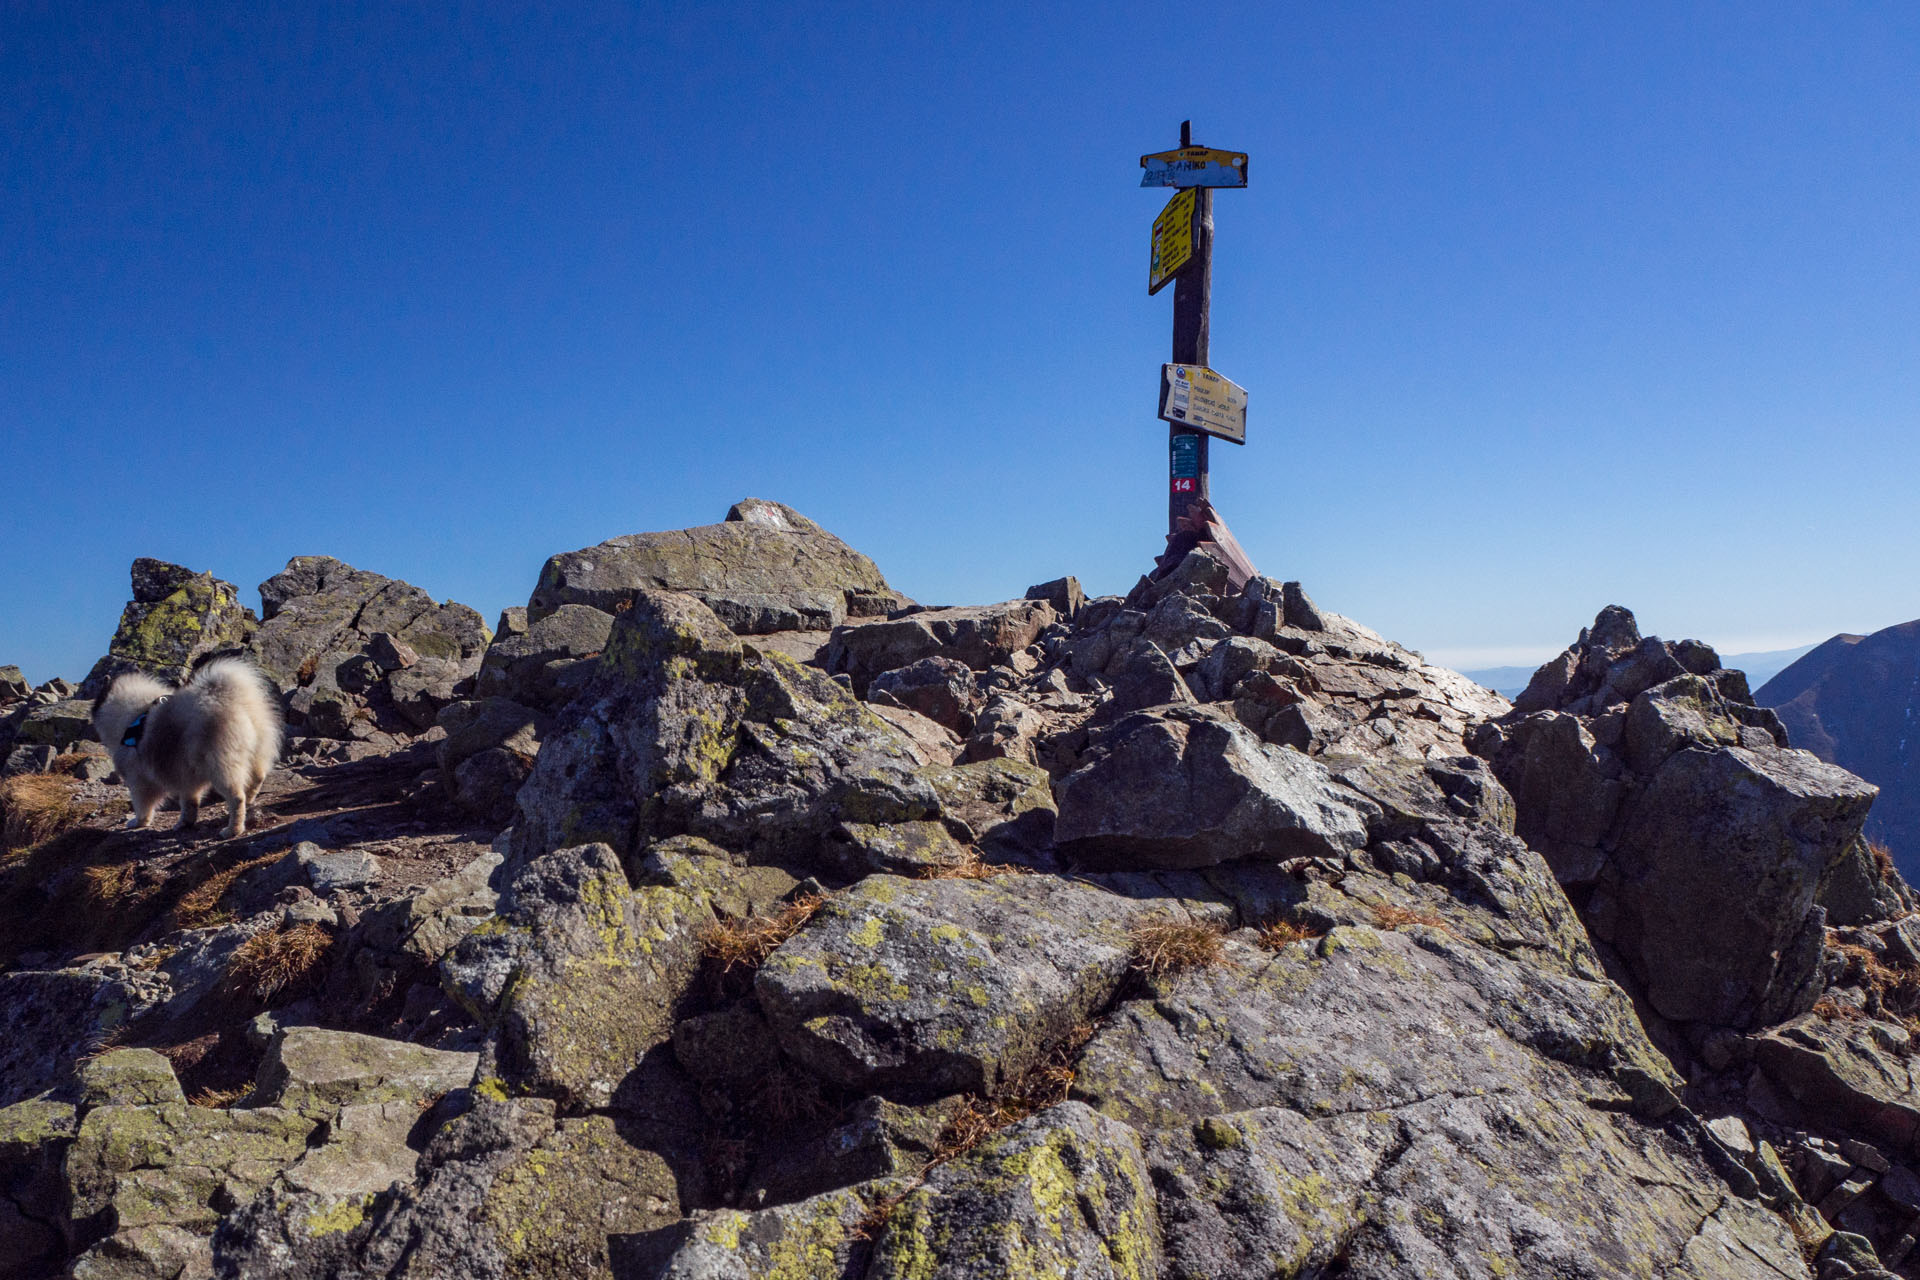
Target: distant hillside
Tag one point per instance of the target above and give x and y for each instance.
(1760, 668)
(1853, 701)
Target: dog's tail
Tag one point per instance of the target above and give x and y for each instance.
(242, 693)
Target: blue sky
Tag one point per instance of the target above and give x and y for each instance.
(1539, 307)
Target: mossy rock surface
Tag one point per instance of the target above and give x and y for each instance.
(580, 972)
(919, 988)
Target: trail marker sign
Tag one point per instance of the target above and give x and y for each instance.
(1172, 240)
(1197, 398)
(1196, 403)
(1194, 167)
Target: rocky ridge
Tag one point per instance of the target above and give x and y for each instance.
(1196, 932)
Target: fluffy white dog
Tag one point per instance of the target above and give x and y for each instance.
(219, 731)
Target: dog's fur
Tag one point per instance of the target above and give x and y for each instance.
(219, 731)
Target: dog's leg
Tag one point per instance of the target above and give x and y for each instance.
(145, 800)
(189, 809)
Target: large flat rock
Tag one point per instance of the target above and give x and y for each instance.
(916, 988)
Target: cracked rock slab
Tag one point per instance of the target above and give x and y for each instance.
(918, 988)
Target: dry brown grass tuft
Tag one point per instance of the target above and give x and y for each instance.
(278, 959)
(978, 1118)
(220, 1097)
(108, 888)
(1835, 1011)
(36, 807)
(308, 669)
(1882, 858)
(1391, 917)
(973, 867)
(1166, 947)
(199, 906)
(1280, 933)
(751, 939)
(1046, 1085)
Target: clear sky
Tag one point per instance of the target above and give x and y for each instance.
(1540, 307)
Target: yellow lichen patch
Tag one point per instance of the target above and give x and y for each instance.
(344, 1216)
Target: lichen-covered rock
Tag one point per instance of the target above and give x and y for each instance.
(128, 1077)
(176, 616)
(1006, 806)
(579, 972)
(1361, 1019)
(1190, 787)
(920, 988)
(979, 636)
(766, 568)
(1066, 1193)
(58, 725)
(685, 730)
(50, 1019)
(488, 753)
(176, 1165)
(315, 1071)
(555, 1208)
(826, 1236)
(434, 1228)
(34, 1136)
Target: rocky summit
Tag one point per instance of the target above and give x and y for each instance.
(725, 915)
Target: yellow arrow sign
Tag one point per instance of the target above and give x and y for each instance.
(1172, 241)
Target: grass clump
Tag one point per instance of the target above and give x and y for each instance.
(1882, 858)
(278, 960)
(35, 807)
(199, 906)
(1389, 916)
(748, 940)
(1165, 947)
(972, 867)
(1281, 933)
(1045, 1085)
(217, 1098)
(1830, 1010)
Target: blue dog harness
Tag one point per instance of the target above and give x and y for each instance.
(138, 728)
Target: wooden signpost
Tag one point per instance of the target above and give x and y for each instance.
(1197, 171)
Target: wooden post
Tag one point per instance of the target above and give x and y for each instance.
(1191, 290)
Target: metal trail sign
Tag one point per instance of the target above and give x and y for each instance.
(1194, 167)
(1197, 171)
(1173, 235)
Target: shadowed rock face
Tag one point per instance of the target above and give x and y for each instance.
(1170, 936)
(1701, 848)
(1855, 702)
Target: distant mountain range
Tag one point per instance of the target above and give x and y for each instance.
(1855, 700)
(1760, 668)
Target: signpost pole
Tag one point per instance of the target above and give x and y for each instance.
(1191, 290)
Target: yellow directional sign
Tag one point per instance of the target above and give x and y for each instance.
(1194, 396)
(1172, 240)
(1194, 167)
